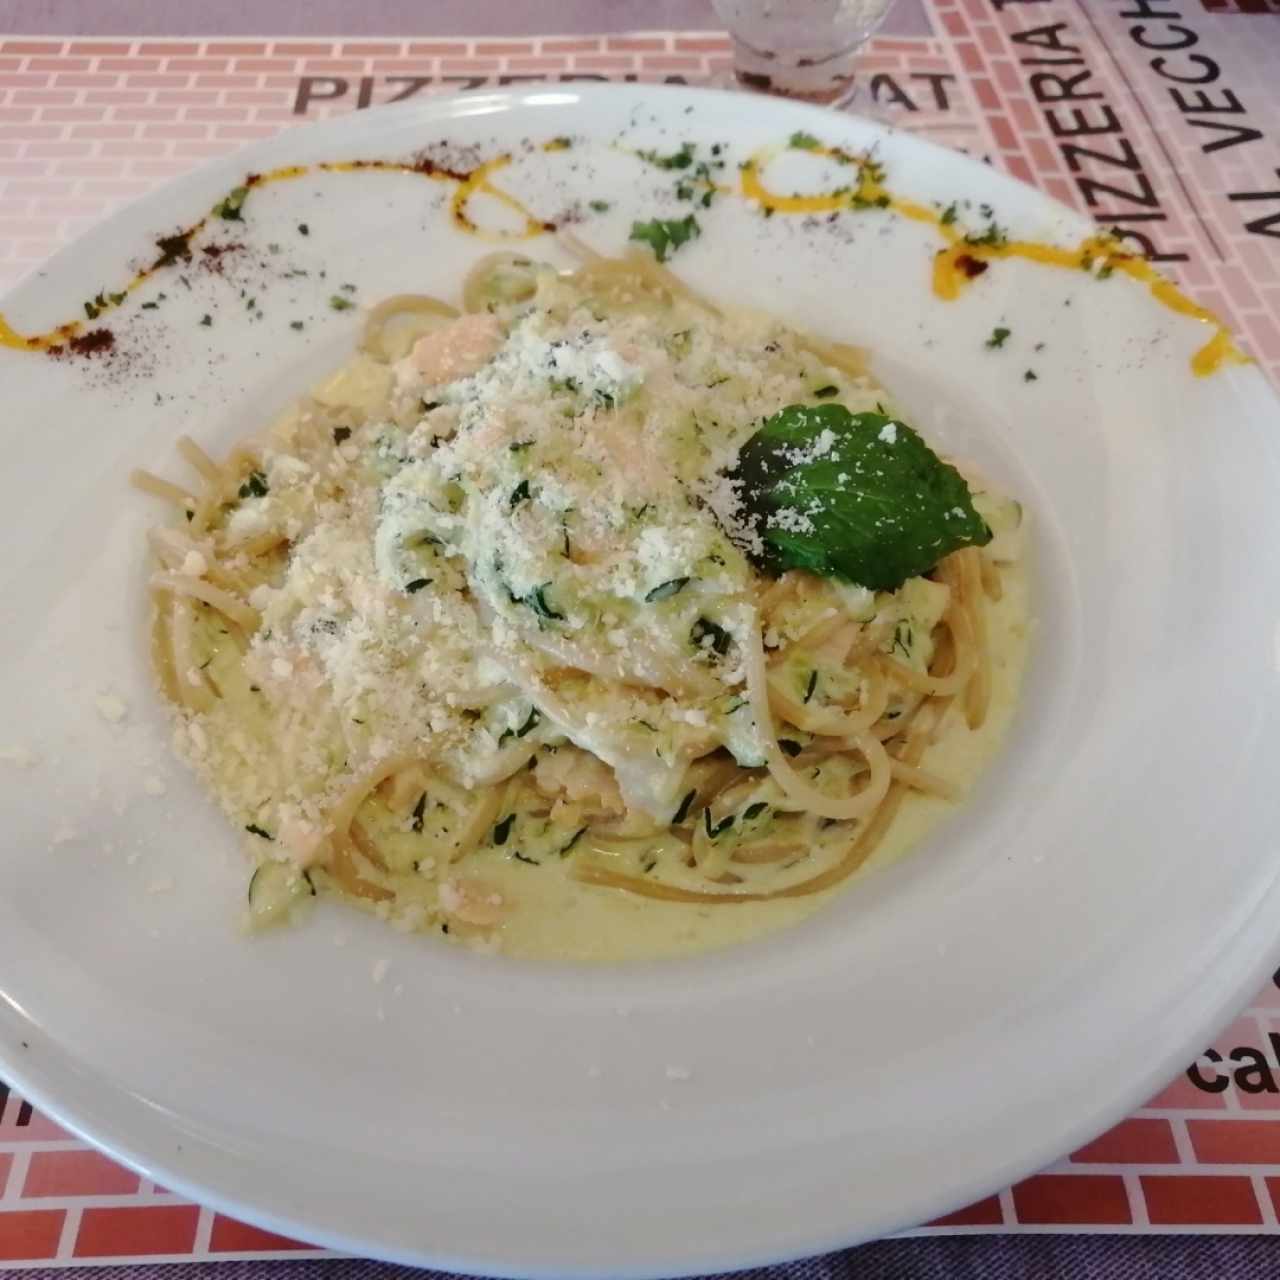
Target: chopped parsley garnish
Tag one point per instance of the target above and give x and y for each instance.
(150, 306)
(708, 636)
(685, 805)
(577, 835)
(254, 830)
(91, 310)
(718, 828)
(599, 206)
(665, 235)
(229, 209)
(417, 584)
(519, 446)
(811, 686)
(754, 810)
(418, 810)
(519, 494)
(503, 829)
(681, 159)
(854, 496)
(825, 393)
(997, 339)
(206, 320)
(1030, 376)
(296, 324)
(341, 435)
(255, 486)
(537, 601)
(338, 303)
(532, 720)
(802, 141)
(948, 214)
(303, 229)
(993, 237)
(665, 590)
(347, 288)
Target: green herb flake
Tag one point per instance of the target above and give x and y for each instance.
(518, 495)
(532, 720)
(708, 637)
(599, 206)
(665, 590)
(685, 805)
(206, 320)
(254, 830)
(718, 828)
(412, 588)
(503, 829)
(338, 303)
(754, 810)
(811, 686)
(801, 141)
(681, 159)
(994, 236)
(255, 486)
(859, 497)
(577, 835)
(418, 810)
(229, 209)
(997, 339)
(303, 229)
(948, 214)
(1030, 376)
(341, 435)
(790, 747)
(825, 393)
(665, 235)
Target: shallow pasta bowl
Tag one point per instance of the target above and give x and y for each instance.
(1048, 958)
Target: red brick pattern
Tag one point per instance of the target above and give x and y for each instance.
(1198, 1200)
(86, 124)
(1138, 1141)
(129, 1232)
(76, 1173)
(1063, 1200)
(230, 1236)
(30, 1234)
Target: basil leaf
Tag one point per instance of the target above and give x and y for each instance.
(853, 496)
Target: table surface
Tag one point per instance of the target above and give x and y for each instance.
(1160, 117)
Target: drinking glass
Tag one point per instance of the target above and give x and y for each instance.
(799, 48)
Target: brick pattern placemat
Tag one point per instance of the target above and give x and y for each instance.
(1160, 117)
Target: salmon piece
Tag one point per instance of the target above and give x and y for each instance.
(458, 349)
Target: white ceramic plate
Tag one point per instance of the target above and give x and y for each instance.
(1053, 954)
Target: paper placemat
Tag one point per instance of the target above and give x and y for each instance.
(1158, 117)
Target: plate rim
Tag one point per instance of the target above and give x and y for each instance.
(82, 1121)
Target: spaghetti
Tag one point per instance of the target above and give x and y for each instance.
(474, 632)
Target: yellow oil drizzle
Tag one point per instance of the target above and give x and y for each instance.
(955, 266)
(964, 258)
(467, 186)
